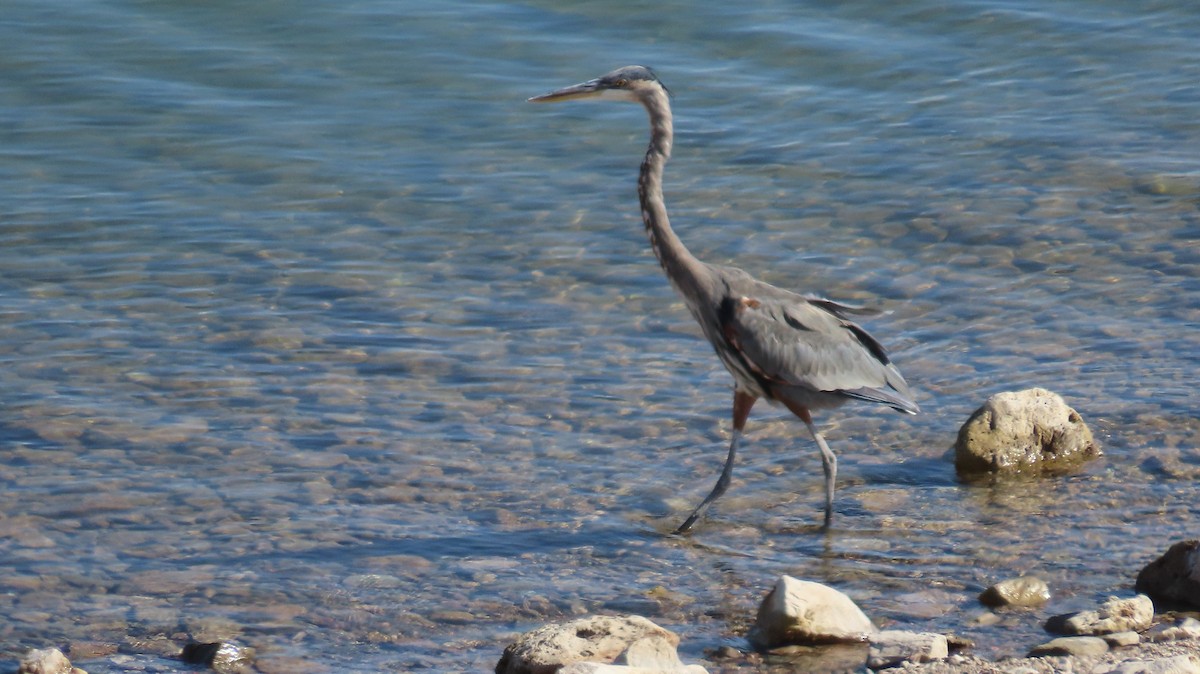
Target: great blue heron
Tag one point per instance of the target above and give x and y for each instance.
(796, 350)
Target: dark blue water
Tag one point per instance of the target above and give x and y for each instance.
(315, 335)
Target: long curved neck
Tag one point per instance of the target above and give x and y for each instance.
(683, 269)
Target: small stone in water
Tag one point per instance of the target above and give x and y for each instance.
(224, 657)
(1024, 591)
(231, 658)
(727, 653)
(88, 650)
(986, 619)
(452, 617)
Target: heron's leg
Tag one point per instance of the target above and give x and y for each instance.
(828, 459)
(742, 402)
(829, 463)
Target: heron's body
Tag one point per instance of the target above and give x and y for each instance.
(799, 351)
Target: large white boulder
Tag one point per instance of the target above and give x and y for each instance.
(1032, 431)
(630, 641)
(1134, 614)
(804, 612)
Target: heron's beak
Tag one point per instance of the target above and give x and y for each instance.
(574, 92)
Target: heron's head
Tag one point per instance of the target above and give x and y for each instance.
(631, 83)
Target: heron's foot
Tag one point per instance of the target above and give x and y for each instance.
(828, 525)
(691, 520)
(718, 489)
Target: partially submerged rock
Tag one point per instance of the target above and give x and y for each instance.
(631, 640)
(223, 657)
(47, 661)
(803, 612)
(1026, 591)
(1174, 577)
(1115, 615)
(1031, 431)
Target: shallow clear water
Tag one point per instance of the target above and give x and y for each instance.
(315, 335)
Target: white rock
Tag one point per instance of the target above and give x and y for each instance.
(46, 661)
(1023, 431)
(1115, 615)
(985, 619)
(632, 641)
(1025, 591)
(1180, 664)
(597, 668)
(804, 612)
(893, 647)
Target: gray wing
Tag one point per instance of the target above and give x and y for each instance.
(789, 340)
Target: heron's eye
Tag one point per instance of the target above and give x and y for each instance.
(621, 84)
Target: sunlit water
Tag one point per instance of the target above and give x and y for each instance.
(316, 336)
